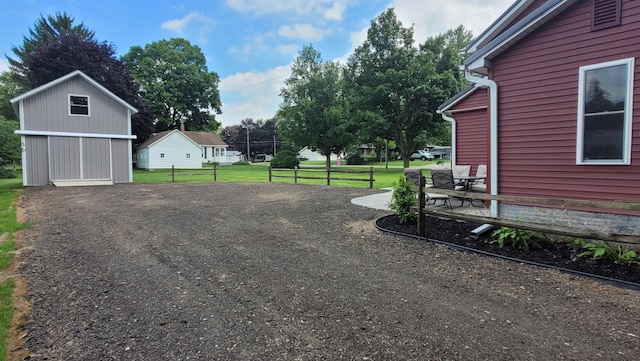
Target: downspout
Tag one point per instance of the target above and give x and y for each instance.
(493, 133)
(454, 141)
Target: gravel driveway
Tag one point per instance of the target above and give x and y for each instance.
(221, 271)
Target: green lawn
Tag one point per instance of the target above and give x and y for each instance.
(8, 225)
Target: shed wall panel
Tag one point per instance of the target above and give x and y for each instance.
(472, 130)
(36, 162)
(120, 160)
(96, 158)
(48, 110)
(538, 92)
(65, 158)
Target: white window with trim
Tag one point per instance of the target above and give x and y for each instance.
(605, 106)
(79, 105)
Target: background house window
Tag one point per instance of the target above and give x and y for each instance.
(78, 105)
(188, 155)
(604, 113)
(161, 155)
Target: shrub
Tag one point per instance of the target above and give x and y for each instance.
(517, 238)
(601, 249)
(285, 159)
(354, 159)
(241, 162)
(7, 173)
(402, 199)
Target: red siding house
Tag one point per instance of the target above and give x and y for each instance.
(555, 93)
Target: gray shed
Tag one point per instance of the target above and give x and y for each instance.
(74, 131)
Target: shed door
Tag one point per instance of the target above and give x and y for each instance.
(64, 153)
(79, 158)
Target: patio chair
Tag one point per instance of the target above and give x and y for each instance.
(480, 185)
(441, 179)
(460, 171)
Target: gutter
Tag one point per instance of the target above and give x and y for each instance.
(450, 119)
(493, 133)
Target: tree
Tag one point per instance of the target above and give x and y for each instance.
(262, 136)
(398, 86)
(10, 147)
(175, 80)
(44, 31)
(9, 89)
(315, 108)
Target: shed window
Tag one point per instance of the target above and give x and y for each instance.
(78, 105)
(606, 13)
(604, 113)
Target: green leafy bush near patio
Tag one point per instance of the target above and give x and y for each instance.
(402, 199)
(516, 238)
(603, 250)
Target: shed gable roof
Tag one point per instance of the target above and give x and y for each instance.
(15, 101)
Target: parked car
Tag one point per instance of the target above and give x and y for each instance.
(259, 158)
(422, 155)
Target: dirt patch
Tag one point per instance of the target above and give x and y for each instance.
(288, 272)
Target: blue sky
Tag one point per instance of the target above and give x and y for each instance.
(249, 43)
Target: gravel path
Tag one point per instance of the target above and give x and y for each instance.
(281, 272)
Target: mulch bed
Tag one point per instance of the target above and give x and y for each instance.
(548, 252)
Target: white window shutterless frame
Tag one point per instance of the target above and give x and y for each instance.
(605, 107)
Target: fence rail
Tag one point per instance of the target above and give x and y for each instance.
(561, 230)
(174, 174)
(328, 176)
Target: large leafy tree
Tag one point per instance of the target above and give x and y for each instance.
(174, 78)
(315, 108)
(262, 136)
(10, 148)
(45, 30)
(9, 89)
(397, 86)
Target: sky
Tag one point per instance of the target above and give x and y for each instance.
(250, 44)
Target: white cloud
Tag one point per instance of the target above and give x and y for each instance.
(438, 17)
(288, 49)
(180, 25)
(335, 12)
(441, 16)
(329, 9)
(251, 95)
(301, 31)
(3, 66)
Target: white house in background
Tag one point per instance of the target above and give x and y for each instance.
(306, 152)
(169, 148)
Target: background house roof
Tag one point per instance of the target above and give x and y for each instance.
(51, 84)
(205, 138)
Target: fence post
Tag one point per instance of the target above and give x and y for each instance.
(215, 172)
(370, 177)
(269, 173)
(421, 205)
(329, 176)
(295, 175)
(173, 174)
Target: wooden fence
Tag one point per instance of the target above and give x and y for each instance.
(328, 176)
(561, 230)
(174, 174)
